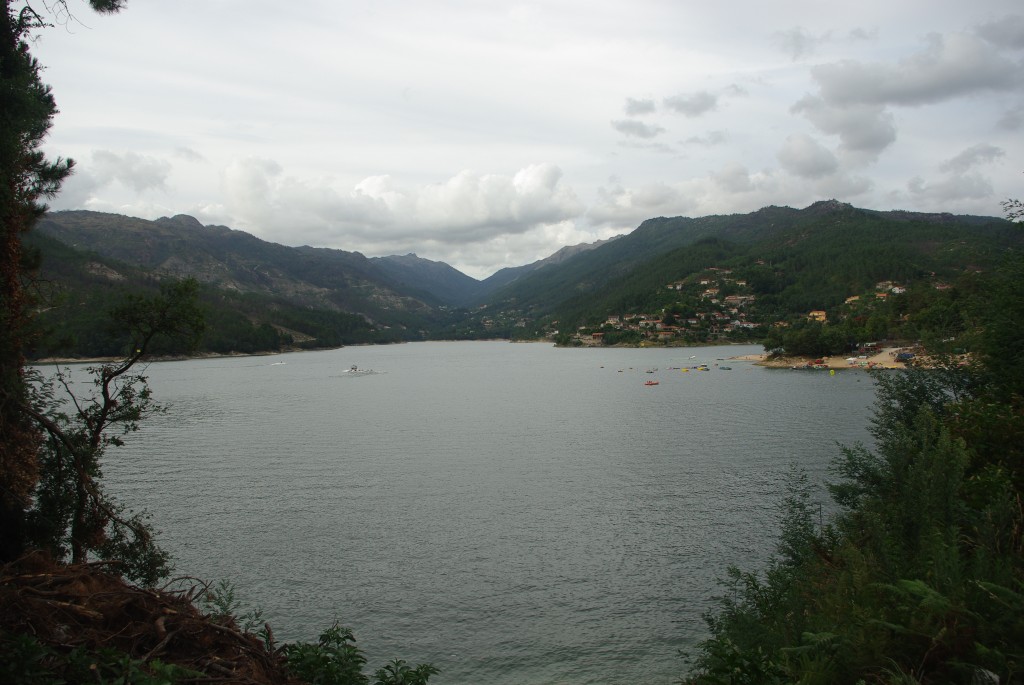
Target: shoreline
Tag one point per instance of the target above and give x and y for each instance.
(884, 359)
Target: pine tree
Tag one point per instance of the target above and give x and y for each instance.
(27, 179)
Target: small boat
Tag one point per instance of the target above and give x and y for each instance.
(356, 371)
(650, 382)
(725, 368)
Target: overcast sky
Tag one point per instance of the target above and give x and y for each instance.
(490, 134)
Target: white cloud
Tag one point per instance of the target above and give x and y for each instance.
(368, 138)
(803, 156)
(467, 208)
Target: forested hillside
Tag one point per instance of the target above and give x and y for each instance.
(258, 296)
(749, 277)
(919, 578)
(756, 275)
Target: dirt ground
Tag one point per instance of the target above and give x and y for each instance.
(81, 606)
(884, 359)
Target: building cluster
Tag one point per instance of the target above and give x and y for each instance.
(710, 314)
(712, 306)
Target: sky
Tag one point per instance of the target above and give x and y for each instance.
(487, 134)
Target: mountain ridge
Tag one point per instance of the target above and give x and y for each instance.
(405, 297)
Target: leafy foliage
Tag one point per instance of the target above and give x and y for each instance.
(336, 660)
(72, 515)
(28, 662)
(919, 578)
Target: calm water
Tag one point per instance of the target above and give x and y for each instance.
(512, 513)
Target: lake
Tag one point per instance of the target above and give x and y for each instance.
(511, 513)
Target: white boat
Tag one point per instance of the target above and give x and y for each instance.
(356, 371)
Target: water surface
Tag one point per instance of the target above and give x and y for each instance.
(512, 513)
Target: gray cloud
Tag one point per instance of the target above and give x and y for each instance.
(972, 156)
(949, 66)
(799, 43)
(853, 97)
(796, 42)
(372, 164)
(138, 172)
(188, 154)
(637, 129)
(866, 129)
(961, 182)
(956, 187)
(860, 33)
(1012, 119)
(692, 104)
(841, 185)
(637, 107)
(734, 178)
(1008, 32)
(627, 207)
(660, 148)
(735, 90)
(712, 138)
(803, 156)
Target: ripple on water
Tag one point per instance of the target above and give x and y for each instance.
(511, 513)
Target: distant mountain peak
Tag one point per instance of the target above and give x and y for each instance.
(827, 206)
(182, 220)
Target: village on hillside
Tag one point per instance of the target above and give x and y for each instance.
(713, 306)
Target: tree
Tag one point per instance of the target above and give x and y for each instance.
(919, 577)
(27, 178)
(72, 514)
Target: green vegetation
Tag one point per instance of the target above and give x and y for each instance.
(742, 278)
(790, 261)
(28, 662)
(865, 276)
(54, 436)
(919, 578)
(336, 660)
(71, 516)
(77, 293)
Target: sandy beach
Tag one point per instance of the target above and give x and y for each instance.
(884, 359)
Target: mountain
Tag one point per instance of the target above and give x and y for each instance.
(434, 281)
(267, 296)
(259, 296)
(507, 275)
(316, 277)
(825, 235)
